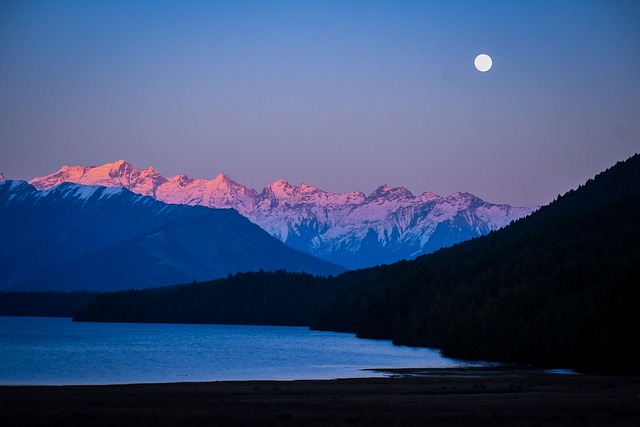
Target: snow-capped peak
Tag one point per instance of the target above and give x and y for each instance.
(222, 178)
(181, 180)
(281, 183)
(428, 196)
(387, 193)
(150, 171)
(390, 220)
(120, 164)
(304, 188)
(466, 199)
(280, 189)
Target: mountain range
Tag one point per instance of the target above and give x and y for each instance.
(77, 237)
(350, 229)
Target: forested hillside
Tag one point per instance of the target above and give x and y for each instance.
(44, 304)
(558, 288)
(261, 298)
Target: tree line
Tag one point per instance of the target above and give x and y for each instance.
(558, 288)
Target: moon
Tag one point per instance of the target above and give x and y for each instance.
(483, 62)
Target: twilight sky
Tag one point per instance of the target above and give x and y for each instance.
(345, 95)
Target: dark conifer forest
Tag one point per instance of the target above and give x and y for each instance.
(560, 288)
(44, 304)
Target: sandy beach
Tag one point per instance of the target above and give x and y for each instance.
(434, 397)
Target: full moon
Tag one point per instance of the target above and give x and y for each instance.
(483, 62)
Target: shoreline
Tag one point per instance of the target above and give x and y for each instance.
(438, 397)
(480, 369)
(365, 373)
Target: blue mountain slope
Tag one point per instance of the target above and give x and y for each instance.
(73, 237)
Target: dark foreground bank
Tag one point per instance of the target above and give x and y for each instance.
(455, 397)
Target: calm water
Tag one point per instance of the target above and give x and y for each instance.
(58, 351)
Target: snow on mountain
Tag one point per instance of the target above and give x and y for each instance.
(81, 192)
(350, 229)
(219, 192)
(80, 237)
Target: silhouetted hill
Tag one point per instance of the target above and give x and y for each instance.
(560, 287)
(74, 237)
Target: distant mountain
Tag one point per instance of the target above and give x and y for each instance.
(349, 229)
(74, 237)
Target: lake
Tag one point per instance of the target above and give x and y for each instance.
(57, 351)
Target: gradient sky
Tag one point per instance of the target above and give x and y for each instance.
(345, 95)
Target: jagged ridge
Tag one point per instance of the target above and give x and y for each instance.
(351, 229)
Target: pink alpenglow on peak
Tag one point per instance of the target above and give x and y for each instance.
(181, 179)
(280, 189)
(116, 174)
(350, 229)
